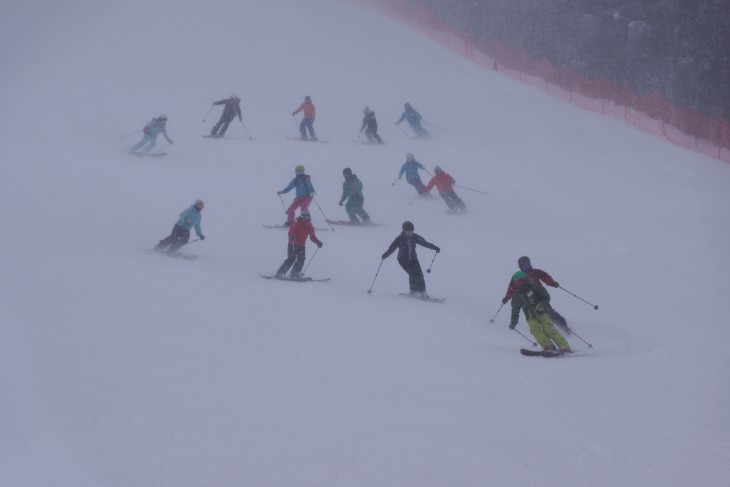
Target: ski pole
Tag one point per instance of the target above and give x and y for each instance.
(576, 296)
(435, 126)
(491, 320)
(370, 291)
(428, 271)
(325, 216)
(187, 243)
(282, 201)
(574, 333)
(534, 344)
(245, 130)
(470, 189)
(206, 115)
(135, 132)
(404, 130)
(310, 260)
(296, 122)
(414, 199)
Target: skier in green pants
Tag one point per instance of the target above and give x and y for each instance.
(534, 301)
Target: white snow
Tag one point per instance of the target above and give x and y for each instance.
(119, 367)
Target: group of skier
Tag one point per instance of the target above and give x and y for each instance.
(525, 290)
(232, 110)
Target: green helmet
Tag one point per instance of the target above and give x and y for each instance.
(299, 169)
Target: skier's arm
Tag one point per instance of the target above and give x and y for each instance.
(301, 107)
(310, 187)
(515, 315)
(238, 110)
(164, 132)
(402, 117)
(545, 277)
(220, 102)
(392, 247)
(288, 187)
(422, 242)
(198, 231)
(402, 170)
(429, 186)
(510, 291)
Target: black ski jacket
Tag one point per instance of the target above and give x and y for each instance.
(232, 108)
(407, 246)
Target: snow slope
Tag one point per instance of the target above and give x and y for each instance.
(123, 368)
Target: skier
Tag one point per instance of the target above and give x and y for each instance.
(190, 218)
(534, 301)
(538, 276)
(352, 192)
(406, 244)
(370, 126)
(304, 194)
(295, 251)
(151, 131)
(410, 168)
(444, 184)
(308, 120)
(231, 110)
(414, 120)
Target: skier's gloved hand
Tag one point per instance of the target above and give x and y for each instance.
(341, 203)
(383, 257)
(278, 192)
(437, 249)
(512, 326)
(202, 237)
(320, 244)
(556, 284)
(504, 300)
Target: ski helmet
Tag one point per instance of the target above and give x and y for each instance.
(199, 203)
(408, 226)
(347, 171)
(162, 117)
(234, 96)
(366, 110)
(407, 105)
(307, 98)
(437, 169)
(410, 156)
(299, 169)
(524, 263)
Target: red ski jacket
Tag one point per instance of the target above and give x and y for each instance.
(443, 182)
(535, 276)
(309, 111)
(299, 231)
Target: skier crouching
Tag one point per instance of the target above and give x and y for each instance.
(445, 185)
(532, 299)
(190, 218)
(296, 250)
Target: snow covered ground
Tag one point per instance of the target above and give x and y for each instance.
(124, 368)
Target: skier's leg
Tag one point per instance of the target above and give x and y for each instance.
(310, 126)
(537, 332)
(292, 209)
(151, 142)
(558, 320)
(214, 130)
(302, 129)
(167, 240)
(226, 123)
(300, 257)
(290, 257)
(139, 144)
(180, 238)
(449, 201)
(458, 201)
(351, 211)
(304, 205)
(552, 333)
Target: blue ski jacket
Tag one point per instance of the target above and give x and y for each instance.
(191, 218)
(411, 170)
(303, 186)
(155, 127)
(411, 115)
